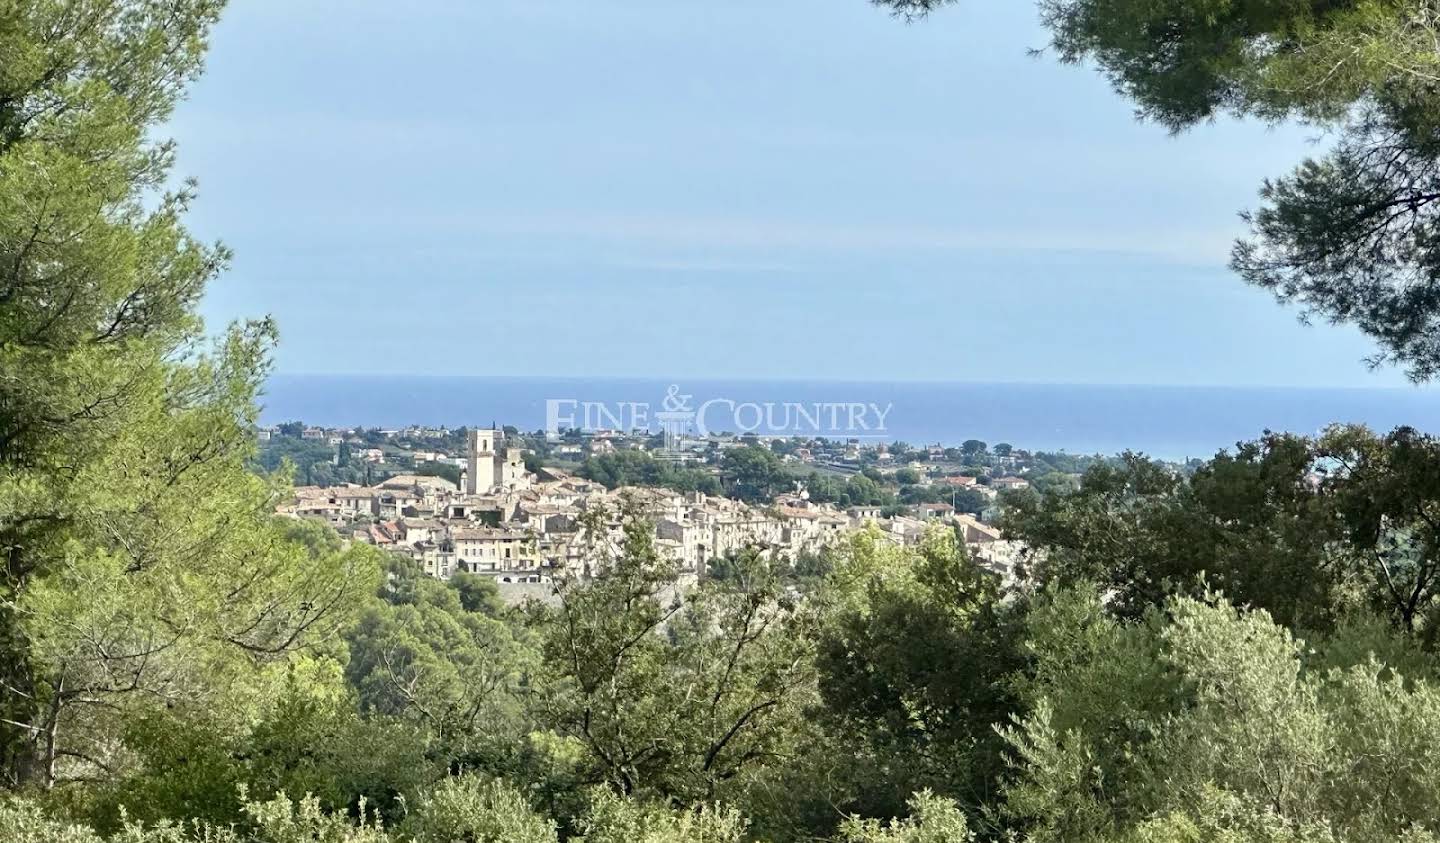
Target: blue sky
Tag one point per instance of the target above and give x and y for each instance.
(736, 189)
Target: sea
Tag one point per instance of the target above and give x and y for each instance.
(1166, 422)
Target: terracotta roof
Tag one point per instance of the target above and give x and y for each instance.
(403, 480)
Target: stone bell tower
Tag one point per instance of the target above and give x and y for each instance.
(480, 462)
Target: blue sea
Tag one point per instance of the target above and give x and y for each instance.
(1162, 421)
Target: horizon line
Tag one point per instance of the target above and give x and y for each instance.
(1413, 387)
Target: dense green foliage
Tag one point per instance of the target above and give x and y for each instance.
(639, 468)
(906, 695)
(756, 474)
(913, 657)
(312, 462)
(143, 575)
(448, 471)
(1309, 529)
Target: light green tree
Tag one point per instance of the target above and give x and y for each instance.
(477, 810)
(615, 819)
(1203, 716)
(932, 820)
(141, 566)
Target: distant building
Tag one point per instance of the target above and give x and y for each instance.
(480, 461)
(491, 465)
(508, 555)
(522, 530)
(354, 501)
(932, 510)
(976, 531)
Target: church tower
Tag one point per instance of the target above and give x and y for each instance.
(480, 462)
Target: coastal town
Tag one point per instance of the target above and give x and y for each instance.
(491, 507)
(728, 422)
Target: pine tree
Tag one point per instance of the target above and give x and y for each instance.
(138, 552)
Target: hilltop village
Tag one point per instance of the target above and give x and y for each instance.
(514, 507)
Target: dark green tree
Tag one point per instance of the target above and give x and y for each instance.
(448, 471)
(422, 656)
(754, 473)
(672, 693)
(1385, 492)
(1303, 528)
(1247, 522)
(913, 657)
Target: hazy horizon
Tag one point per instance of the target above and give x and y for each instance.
(797, 379)
(1169, 421)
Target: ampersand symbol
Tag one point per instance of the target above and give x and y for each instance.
(674, 401)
